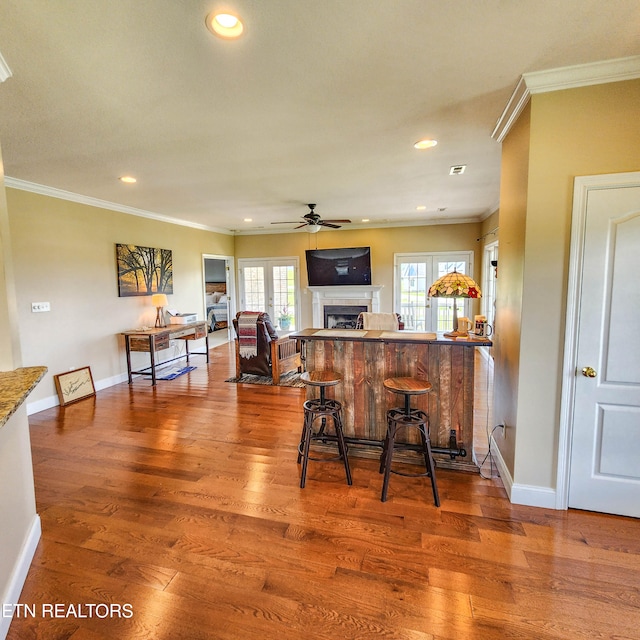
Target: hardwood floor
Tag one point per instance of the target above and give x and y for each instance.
(178, 510)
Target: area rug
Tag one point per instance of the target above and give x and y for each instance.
(174, 373)
(291, 379)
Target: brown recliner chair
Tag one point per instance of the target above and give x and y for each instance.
(259, 350)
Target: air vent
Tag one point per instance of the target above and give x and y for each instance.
(457, 169)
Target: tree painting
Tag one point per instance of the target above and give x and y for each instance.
(143, 271)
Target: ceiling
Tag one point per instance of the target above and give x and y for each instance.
(317, 102)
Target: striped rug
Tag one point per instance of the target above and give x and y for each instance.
(291, 379)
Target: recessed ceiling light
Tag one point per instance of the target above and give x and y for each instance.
(248, 219)
(421, 207)
(224, 25)
(128, 179)
(426, 143)
(365, 219)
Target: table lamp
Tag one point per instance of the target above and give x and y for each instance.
(159, 300)
(454, 285)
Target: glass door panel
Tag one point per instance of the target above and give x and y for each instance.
(443, 307)
(413, 295)
(253, 293)
(284, 297)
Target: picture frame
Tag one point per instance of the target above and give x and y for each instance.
(143, 271)
(74, 385)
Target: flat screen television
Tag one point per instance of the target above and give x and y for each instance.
(331, 267)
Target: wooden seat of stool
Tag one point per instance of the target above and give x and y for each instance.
(411, 386)
(321, 378)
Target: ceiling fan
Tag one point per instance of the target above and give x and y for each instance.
(313, 221)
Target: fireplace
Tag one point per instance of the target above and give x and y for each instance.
(354, 298)
(342, 316)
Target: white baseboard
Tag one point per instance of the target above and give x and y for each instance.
(20, 571)
(53, 401)
(528, 495)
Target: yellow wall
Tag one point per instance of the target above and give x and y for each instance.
(584, 131)
(506, 337)
(64, 253)
(384, 242)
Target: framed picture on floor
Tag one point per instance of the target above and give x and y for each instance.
(74, 385)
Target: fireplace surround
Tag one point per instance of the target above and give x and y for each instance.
(365, 297)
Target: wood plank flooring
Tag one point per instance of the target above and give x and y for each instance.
(182, 503)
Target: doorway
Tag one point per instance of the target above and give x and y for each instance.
(219, 295)
(599, 449)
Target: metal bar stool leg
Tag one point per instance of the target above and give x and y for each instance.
(388, 459)
(308, 428)
(342, 447)
(429, 462)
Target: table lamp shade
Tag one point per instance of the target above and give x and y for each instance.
(455, 285)
(159, 300)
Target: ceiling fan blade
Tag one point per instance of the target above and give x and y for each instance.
(324, 223)
(340, 221)
(304, 224)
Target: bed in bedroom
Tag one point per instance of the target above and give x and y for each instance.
(217, 306)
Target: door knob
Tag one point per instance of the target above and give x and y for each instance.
(589, 372)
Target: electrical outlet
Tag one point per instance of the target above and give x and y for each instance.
(40, 307)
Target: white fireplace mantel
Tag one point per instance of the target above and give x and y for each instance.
(362, 295)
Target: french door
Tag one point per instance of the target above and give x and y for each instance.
(271, 285)
(414, 274)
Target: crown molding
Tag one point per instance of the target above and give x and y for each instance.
(52, 192)
(360, 227)
(5, 72)
(582, 75)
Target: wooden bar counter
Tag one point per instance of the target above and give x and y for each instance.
(366, 358)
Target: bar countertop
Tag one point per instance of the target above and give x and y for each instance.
(15, 386)
(389, 336)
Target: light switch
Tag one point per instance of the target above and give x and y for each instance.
(39, 307)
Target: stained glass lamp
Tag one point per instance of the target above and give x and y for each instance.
(454, 285)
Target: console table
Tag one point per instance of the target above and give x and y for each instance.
(153, 340)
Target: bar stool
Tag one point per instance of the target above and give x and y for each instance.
(322, 408)
(404, 417)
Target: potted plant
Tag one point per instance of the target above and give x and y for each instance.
(285, 318)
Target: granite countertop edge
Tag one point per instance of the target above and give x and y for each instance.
(15, 386)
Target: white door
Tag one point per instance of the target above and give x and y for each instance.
(414, 274)
(605, 438)
(271, 286)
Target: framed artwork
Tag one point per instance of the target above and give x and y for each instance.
(143, 271)
(74, 385)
